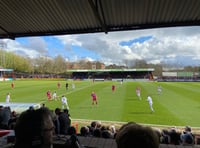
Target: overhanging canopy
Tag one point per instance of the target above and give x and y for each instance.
(22, 18)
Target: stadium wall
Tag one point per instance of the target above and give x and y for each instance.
(180, 76)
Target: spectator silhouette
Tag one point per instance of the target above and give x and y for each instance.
(12, 121)
(84, 131)
(106, 134)
(132, 135)
(187, 137)
(34, 129)
(71, 130)
(5, 115)
(56, 120)
(97, 133)
(65, 122)
(174, 137)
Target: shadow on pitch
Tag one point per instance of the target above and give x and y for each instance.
(132, 99)
(87, 107)
(140, 113)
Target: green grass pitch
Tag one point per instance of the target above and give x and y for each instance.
(179, 103)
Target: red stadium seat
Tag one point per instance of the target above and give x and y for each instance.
(4, 132)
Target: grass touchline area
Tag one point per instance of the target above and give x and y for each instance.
(177, 105)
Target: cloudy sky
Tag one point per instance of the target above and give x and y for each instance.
(166, 45)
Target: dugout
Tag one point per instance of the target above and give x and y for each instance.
(109, 74)
(6, 74)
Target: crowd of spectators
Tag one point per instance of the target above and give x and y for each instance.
(33, 121)
(176, 137)
(7, 118)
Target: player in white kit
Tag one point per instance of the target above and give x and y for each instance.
(149, 99)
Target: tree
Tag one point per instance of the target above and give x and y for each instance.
(43, 65)
(140, 64)
(59, 65)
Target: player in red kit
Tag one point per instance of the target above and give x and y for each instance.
(12, 85)
(138, 92)
(49, 95)
(58, 85)
(94, 98)
(113, 88)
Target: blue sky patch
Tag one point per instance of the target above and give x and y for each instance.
(82, 52)
(137, 40)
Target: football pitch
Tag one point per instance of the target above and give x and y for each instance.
(178, 105)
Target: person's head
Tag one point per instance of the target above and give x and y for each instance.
(14, 113)
(174, 137)
(134, 135)
(66, 111)
(84, 131)
(43, 105)
(71, 130)
(34, 128)
(93, 124)
(98, 124)
(188, 129)
(31, 108)
(57, 111)
(97, 132)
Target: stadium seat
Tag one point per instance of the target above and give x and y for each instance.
(4, 132)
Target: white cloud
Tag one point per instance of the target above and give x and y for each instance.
(13, 46)
(166, 45)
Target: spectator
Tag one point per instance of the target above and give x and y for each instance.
(112, 129)
(106, 134)
(84, 131)
(65, 122)
(98, 124)
(97, 133)
(93, 124)
(91, 130)
(5, 115)
(71, 130)
(164, 137)
(187, 138)
(43, 105)
(134, 135)
(12, 120)
(174, 137)
(56, 120)
(34, 128)
(188, 129)
(31, 108)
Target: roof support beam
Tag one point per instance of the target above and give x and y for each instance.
(94, 7)
(8, 34)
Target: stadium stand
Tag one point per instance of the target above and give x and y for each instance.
(110, 74)
(188, 17)
(7, 138)
(91, 142)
